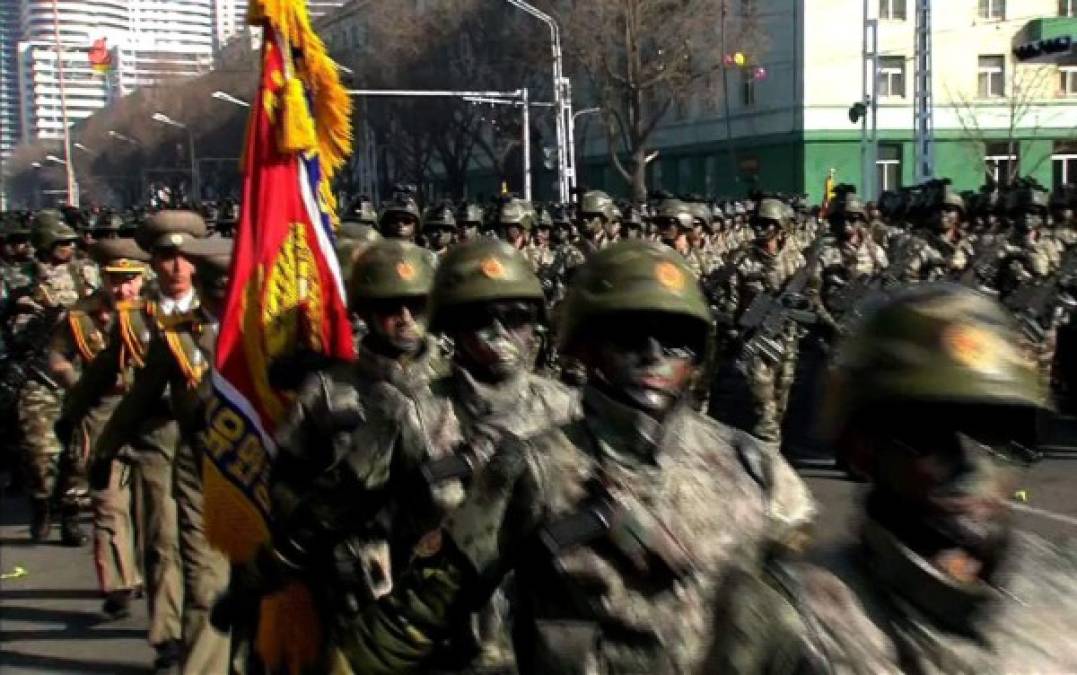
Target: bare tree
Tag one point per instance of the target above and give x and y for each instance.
(642, 57)
(982, 121)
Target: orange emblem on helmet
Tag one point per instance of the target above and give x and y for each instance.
(972, 347)
(492, 268)
(669, 276)
(405, 270)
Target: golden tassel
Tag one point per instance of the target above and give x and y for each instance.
(296, 126)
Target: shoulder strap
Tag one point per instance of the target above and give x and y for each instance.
(134, 323)
(84, 331)
(184, 347)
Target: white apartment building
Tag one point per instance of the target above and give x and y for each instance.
(789, 129)
(149, 42)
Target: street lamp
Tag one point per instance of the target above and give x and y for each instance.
(120, 137)
(228, 98)
(54, 158)
(165, 119)
(575, 116)
(566, 163)
(73, 186)
(82, 147)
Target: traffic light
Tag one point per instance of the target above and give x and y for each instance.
(857, 112)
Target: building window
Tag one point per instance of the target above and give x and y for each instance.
(1064, 163)
(892, 9)
(1067, 7)
(1001, 162)
(888, 168)
(747, 88)
(892, 76)
(1067, 80)
(993, 9)
(992, 76)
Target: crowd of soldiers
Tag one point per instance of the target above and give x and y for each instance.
(563, 444)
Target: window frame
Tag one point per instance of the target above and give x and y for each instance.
(887, 13)
(1067, 8)
(995, 157)
(991, 10)
(883, 166)
(748, 98)
(1067, 74)
(887, 73)
(1064, 159)
(981, 71)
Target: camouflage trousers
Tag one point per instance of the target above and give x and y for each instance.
(52, 472)
(752, 393)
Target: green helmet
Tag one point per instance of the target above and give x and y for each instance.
(677, 210)
(362, 211)
(773, 209)
(355, 231)
(631, 276)
(439, 216)
(482, 270)
(401, 205)
(390, 269)
(951, 197)
(596, 202)
(936, 343)
(469, 214)
(701, 213)
(48, 229)
(515, 212)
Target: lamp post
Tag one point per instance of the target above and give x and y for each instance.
(165, 119)
(572, 138)
(566, 163)
(228, 98)
(72, 184)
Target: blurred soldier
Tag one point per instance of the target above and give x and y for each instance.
(156, 435)
(400, 218)
(18, 266)
(468, 221)
(108, 226)
(848, 254)
(676, 223)
(1063, 224)
(362, 211)
(940, 581)
(752, 388)
(76, 343)
(439, 228)
(514, 221)
(1031, 252)
(617, 524)
(176, 365)
(596, 211)
(632, 222)
(60, 282)
(943, 248)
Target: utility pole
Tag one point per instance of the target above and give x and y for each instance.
(869, 140)
(925, 126)
(72, 187)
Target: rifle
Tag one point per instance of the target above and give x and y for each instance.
(982, 270)
(848, 301)
(1036, 304)
(762, 324)
(28, 356)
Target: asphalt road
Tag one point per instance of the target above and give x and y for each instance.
(50, 620)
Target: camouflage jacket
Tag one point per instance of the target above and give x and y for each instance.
(839, 263)
(65, 284)
(933, 257)
(751, 271)
(1029, 256)
(892, 612)
(693, 495)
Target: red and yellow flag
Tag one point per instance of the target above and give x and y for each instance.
(828, 191)
(285, 295)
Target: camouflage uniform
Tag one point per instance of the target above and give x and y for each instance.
(577, 606)
(881, 606)
(749, 392)
(933, 257)
(49, 468)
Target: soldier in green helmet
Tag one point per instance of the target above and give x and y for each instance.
(615, 535)
(515, 218)
(468, 221)
(400, 218)
(17, 266)
(752, 388)
(439, 228)
(595, 213)
(362, 211)
(940, 580)
(942, 249)
(847, 254)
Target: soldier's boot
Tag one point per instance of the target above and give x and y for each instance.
(71, 533)
(40, 523)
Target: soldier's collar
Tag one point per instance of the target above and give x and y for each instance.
(627, 434)
(374, 366)
(915, 584)
(482, 400)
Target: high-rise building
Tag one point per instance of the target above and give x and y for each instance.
(137, 43)
(9, 83)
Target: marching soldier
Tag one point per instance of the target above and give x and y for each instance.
(751, 389)
(514, 221)
(1063, 224)
(155, 435)
(468, 221)
(617, 524)
(76, 344)
(439, 229)
(940, 582)
(943, 249)
(676, 223)
(175, 368)
(60, 282)
(400, 218)
(596, 212)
